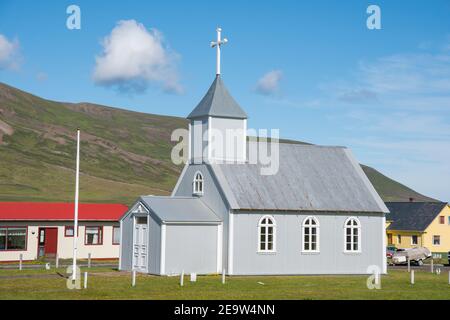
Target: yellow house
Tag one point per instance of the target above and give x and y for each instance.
(418, 224)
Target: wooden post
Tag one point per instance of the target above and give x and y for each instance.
(133, 278)
(20, 261)
(409, 264)
(182, 278)
(57, 262)
(412, 276)
(85, 279)
(449, 277)
(223, 276)
(432, 266)
(89, 260)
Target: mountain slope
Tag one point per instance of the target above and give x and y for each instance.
(124, 154)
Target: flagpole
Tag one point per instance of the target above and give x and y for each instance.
(75, 219)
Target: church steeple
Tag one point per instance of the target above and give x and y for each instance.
(218, 127)
(218, 102)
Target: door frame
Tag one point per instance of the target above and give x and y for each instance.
(135, 217)
(45, 239)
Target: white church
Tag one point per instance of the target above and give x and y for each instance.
(316, 214)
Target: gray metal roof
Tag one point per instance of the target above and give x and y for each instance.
(219, 103)
(412, 216)
(310, 178)
(180, 209)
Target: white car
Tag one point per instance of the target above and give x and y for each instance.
(415, 255)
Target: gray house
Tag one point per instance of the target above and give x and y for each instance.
(318, 214)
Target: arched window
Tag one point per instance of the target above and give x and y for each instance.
(352, 235)
(310, 234)
(267, 234)
(197, 185)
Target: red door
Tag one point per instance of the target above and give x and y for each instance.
(48, 241)
(51, 241)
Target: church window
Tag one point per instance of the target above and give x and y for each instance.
(310, 235)
(352, 235)
(198, 183)
(267, 234)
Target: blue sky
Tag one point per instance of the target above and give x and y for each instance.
(312, 69)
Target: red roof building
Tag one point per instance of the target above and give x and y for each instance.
(58, 211)
(31, 230)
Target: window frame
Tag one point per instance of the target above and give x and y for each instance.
(6, 238)
(65, 230)
(85, 236)
(441, 219)
(317, 227)
(274, 235)
(358, 226)
(439, 237)
(114, 243)
(399, 239)
(201, 182)
(417, 240)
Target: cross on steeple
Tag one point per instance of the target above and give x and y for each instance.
(218, 44)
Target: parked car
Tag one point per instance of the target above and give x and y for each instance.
(415, 255)
(390, 251)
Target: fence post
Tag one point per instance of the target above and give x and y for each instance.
(133, 278)
(57, 261)
(409, 264)
(20, 261)
(432, 266)
(449, 277)
(182, 278)
(223, 276)
(412, 276)
(85, 279)
(89, 260)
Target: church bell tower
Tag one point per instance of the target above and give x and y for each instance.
(218, 125)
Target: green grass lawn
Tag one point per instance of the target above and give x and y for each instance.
(106, 283)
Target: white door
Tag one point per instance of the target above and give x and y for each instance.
(140, 244)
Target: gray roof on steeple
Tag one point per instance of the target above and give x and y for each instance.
(218, 103)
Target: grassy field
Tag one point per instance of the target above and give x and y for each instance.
(105, 283)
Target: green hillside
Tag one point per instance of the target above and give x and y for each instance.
(124, 154)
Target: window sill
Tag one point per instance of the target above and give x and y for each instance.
(355, 253)
(267, 252)
(310, 252)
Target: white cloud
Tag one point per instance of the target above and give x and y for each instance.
(9, 53)
(269, 83)
(134, 58)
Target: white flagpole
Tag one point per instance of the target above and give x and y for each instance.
(75, 219)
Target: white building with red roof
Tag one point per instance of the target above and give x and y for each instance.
(45, 229)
